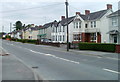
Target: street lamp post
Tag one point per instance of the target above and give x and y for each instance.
(66, 3)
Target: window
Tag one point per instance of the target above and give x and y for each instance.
(114, 21)
(79, 24)
(53, 38)
(56, 37)
(56, 29)
(94, 23)
(60, 28)
(63, 28)
(76, 24)
(86, 25)
(53, 29)
(63, 38)
(60, 37)
(30, 32)
(77, 36)
(91, 24)
(93, 36)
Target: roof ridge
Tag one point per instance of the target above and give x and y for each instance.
(98, 11)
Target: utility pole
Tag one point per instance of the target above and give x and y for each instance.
(10, 29)
(66, 3)
(2, 28)
(10, 26)
(2, 31)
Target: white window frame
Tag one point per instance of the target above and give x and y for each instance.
(77, 37)
(114, 21)
(93, 37)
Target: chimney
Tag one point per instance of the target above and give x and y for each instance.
(77, 13)
(109, 6)
(40, 26)
(62, 17)
(87, 12)
(32, 25)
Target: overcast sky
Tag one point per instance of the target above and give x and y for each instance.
(39, 12)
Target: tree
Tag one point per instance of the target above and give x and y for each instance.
(18, 25)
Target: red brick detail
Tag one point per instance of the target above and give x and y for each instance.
(109, 6)
(87, 37)
(76, 41)
(77, 13)
(62, 17)
(87, 12)
(117, 48)
(83, 37)
(99, 38)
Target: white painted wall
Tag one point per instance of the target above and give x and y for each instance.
(104, 27)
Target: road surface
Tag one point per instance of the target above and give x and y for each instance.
(57, 64)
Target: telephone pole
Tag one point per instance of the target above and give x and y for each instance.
(2, 31)
(10, 29)
(66, 3)
(2, 28)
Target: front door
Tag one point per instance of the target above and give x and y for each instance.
(115, 38)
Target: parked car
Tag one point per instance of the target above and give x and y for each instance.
(46, 40)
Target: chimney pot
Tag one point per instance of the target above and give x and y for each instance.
(109, 6)
(62, 17)
(87, 12)
(77, 13)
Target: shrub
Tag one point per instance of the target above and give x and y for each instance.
(27, 41)
(7, 36)
(97, 46)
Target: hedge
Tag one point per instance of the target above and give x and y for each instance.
(25, 41)
(97, 47)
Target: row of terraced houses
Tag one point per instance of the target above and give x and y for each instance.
(99, 27)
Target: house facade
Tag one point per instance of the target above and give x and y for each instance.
(16, 34)
(45, 31)
(88, 27)
(30, 33)
(114, 29)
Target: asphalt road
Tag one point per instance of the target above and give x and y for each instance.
(57, 64)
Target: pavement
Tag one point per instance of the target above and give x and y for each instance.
(14, 69)
(54, 63)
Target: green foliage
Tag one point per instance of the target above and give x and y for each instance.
(26, 41)
(97, 47)
(18, 25)
(7, 36)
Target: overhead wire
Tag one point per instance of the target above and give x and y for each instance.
(30, 8)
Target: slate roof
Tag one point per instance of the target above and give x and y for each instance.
(95, 15)
(64, 21)
(91, 16)
(47, 25)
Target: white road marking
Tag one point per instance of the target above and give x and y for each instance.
(112, 58)
(111, 71)
(49, 55)
(55, 57)
(99, 57)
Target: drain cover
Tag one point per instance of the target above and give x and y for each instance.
(4, 54)
(35, 67)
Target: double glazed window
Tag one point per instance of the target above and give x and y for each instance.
(93, 36)
(114, 21)
(93, 24)
(77, 24)
(77, 36)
